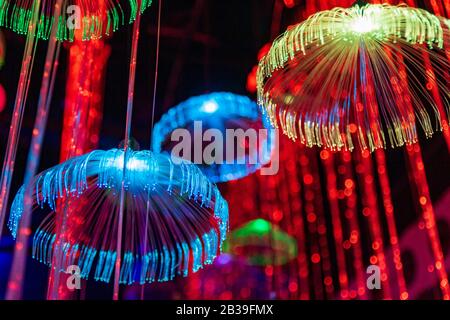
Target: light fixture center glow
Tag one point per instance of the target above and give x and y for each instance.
(210, 106)
(363, 25)
(133, 164)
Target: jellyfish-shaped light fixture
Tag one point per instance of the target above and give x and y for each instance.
(363, 76)
(231, 126)
(175, 219)
(92, 19)
(262, 244)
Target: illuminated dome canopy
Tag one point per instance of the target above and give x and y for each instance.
(362, 76)
(185, 215)
(262, 243)
(221, 113)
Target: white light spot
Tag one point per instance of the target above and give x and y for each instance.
(210, 107)
(362, 25)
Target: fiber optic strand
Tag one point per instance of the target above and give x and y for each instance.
(19, 108)
(15, 284)
(129, 115)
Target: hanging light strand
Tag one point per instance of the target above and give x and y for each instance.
(129, 115)
(15, 283)
(18, 111)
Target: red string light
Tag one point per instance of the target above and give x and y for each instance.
(332, 191)
(392, 228)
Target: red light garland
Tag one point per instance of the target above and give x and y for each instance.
(348, 187)
(82, 120)
(417, 168)
(332, 191)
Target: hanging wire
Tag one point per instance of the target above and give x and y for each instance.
(15, 284)
(155, 85)
(129, 116)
